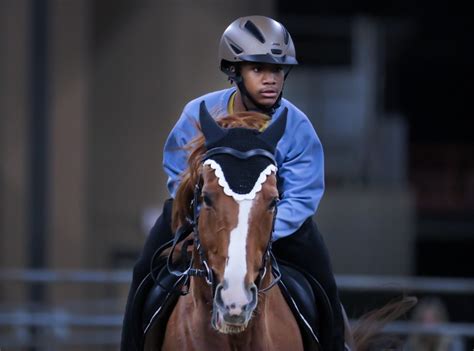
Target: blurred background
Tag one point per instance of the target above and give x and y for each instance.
(89, 91)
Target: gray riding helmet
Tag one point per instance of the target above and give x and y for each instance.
(255, 39)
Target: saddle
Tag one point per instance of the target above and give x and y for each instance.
(305, 296)
(310, 306)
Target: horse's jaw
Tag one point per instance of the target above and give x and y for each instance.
(220, 324)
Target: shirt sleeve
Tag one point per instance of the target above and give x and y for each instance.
(301, 177)
(174, 155)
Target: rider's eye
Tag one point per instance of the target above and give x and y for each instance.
(278, 69)
(207, 200)
(273, 203)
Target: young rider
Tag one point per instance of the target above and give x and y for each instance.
(257, 53)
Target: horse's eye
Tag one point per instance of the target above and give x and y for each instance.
(207, 200)
(273, 203)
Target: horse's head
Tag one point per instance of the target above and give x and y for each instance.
(238, 204)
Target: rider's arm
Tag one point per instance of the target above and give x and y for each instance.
(301, 176)
(174, 155)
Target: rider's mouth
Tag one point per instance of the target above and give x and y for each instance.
(269, 93)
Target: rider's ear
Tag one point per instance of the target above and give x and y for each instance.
(275, 130)
(211, 130)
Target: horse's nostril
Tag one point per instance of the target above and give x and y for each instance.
(218, 295)
(253, 292)
(253, 297)
(230, 307)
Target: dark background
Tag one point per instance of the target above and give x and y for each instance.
(428, 79)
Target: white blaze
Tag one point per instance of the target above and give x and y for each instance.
(234, 294)
(236, 268)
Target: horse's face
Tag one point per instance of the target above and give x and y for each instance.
(239, 196)
(235, 231)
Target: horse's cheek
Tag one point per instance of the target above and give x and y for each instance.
(217, 262)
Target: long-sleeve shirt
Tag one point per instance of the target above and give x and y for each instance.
(299, 156)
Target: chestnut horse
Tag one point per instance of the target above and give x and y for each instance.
(234, 304)
(233, 301)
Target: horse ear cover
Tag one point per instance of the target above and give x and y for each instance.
(275, 130)
(211, 130)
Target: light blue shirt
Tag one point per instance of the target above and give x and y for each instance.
(299, 157)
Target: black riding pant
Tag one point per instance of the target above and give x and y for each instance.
(305, 248)
(160, 233)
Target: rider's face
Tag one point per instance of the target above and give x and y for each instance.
(263, 81)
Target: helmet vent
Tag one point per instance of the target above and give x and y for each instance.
(253, 29)
(236, 49)
(287, 36)
(276, 51)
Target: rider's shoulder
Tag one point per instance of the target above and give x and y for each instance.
(212, 99)
(295, 115)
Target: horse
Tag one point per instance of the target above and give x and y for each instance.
(235, 303)
(233, 299)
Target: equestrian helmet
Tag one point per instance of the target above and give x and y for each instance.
(255, 39)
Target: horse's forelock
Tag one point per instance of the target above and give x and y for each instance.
(196, 148)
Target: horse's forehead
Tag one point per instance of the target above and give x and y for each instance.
(211, 181)
(243, 188)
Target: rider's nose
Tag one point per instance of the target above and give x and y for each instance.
(269, 78)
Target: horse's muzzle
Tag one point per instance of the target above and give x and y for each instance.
(229, 316)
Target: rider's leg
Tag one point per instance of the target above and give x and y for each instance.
(159, 235)
(306, 249)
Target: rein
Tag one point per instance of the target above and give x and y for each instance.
(206, 272)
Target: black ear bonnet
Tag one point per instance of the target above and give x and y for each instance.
(241, 173)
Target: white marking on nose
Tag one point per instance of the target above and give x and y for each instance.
(234, 274)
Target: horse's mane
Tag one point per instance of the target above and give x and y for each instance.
(196, 148)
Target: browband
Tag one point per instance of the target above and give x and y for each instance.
(243, 155)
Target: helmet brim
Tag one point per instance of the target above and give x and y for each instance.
(267, 58)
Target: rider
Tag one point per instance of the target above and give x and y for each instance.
(257, 53)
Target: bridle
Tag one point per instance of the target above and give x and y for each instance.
(205, 271)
